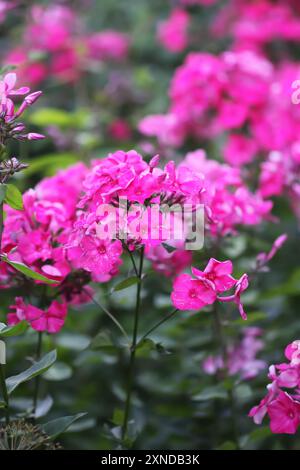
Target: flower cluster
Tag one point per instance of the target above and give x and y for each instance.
(203, 287)
(282, 408)
(257, 24)
(229, 202)
(124, 190)
(36, 235)
(241, 357)
(53, 46)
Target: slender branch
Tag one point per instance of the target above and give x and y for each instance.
(4, 392)
(37, 379)
(132, 260)
(133, 347)
(157, 325)
(108, 313)
(2, 371)
(221, 342)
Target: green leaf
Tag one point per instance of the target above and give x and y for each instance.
(13, 197)
(130, 281)
(211, 393)
(147, 345)
(59, 371)
(102, 340)
(37, 368)
(227, 445)
(118, 417)
(3, 188)
(14, 330)
(47, 163)
(56, 427)
(52, 117)
(22, 268)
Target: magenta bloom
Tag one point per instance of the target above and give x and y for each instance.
(284, 414)
(219, 273)
(191, 294)
(50, 320)
(173, 32)
(194, 293)
(282, 408)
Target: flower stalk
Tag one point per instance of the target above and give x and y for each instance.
(133, 347)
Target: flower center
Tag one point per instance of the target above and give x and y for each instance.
(193, 293)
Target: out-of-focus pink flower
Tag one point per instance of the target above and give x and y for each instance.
(108, 45)
(264, 258)
(239, 150)
(120, 130)
(241, 356)
(173, 32)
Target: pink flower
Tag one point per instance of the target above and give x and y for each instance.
(284, 414)
(191, 294)
(240, 286)
(173, 32)
(219, 273)
(50, 320)
(108, 45)
(239, 149)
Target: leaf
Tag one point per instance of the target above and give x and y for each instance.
(52, 117)
(43, 406)
(37, 368)
(2, 192)
(147, 345)
(130, 281)
(211, 393)
(57, 426)
(14, 330)
(118, 417)
(59, 371)
(102, 340)
(227, 445)
(13, 197)
(22, 268)
(47, 162)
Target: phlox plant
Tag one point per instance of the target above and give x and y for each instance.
(148, 339)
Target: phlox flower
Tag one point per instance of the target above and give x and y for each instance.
(173, 32)
(194, 293)
(282, 408)
(50, 320)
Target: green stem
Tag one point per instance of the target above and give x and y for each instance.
(221, 342)
(2, 371)
(157, 325)
(133, 347)
(37, 379)
(108, 313)
(4, 392)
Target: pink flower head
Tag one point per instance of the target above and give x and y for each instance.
(284, 414)
(219, 273)
(50, 320)
(191, 294)
(173, 32)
